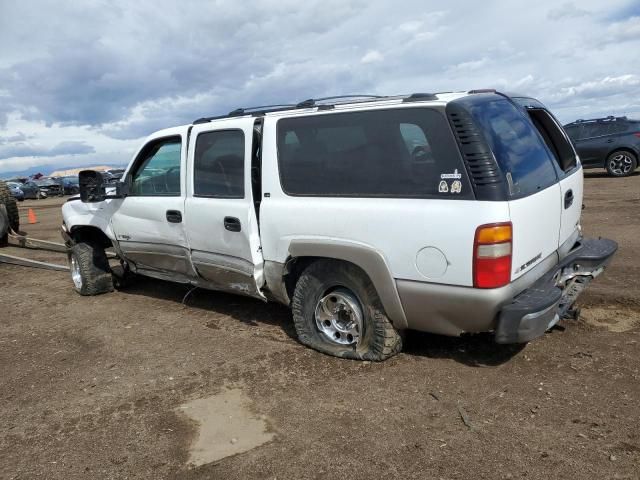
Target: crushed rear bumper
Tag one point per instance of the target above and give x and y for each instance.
(544, 303)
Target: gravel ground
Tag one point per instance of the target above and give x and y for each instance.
(91, 387)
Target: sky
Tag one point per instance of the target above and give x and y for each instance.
(82, 83)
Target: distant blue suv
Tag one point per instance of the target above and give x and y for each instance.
(611, 142)
(16, 192)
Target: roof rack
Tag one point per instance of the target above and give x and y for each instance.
(255, 111)
(313, 102)
(419, 97)
(319, 103)
(609, 118)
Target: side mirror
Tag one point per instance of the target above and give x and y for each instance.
(92, 188)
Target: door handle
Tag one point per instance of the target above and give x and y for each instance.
(232, 224)
(568, 199)
(174, 216)
(610, 140)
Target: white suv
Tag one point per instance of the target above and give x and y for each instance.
(446, 213)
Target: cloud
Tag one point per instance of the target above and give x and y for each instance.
(63, 148)
(565, 11)
(107, 77)
(372, 56)
(628, 29)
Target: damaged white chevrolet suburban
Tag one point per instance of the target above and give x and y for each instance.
(446, 213)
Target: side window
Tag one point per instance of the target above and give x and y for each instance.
(416, 142)
(402, 153)
(157, 172)
(617, 126)
(218, 166)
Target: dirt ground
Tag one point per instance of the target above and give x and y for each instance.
(92, 387)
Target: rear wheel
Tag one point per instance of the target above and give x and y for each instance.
(90, 271)
(10, 204)
(337, 311)
(621, 163)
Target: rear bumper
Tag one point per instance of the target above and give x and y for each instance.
(517, 312)
(540, 306)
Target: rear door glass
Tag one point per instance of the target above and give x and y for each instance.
(551, 132)
(403, 153)
(517, 146)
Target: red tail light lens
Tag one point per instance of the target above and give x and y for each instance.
(637, 134)
(492, 250)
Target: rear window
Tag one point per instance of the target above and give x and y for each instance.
(518, 148)
(401, 153)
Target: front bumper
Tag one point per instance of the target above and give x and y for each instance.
(539, 307)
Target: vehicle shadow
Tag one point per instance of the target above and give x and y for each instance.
(473, 350)
(246, 310)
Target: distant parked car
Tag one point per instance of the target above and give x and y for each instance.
(16, 192)
(71, 185)
(612, 143)
(31, 190)
(50, 186)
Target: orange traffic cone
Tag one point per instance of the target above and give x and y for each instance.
(32, 217)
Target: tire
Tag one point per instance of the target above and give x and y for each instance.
(9, 202)
(90, 271)
(621, 163)
(327, 284)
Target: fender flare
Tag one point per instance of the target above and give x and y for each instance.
(369, 259)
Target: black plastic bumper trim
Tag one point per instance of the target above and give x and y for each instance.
(531, 312)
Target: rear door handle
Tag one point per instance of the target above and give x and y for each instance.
(174, 216)
(568, 199)
(610, 140)
(232, 224)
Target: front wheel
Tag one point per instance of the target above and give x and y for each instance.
(337, 311)
(621, 163)
(90, 271)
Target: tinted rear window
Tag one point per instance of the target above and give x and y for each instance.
(407, 152)
(517, 146)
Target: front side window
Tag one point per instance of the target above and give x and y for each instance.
(403, 153)
(218, 166)
(518, 148)
(157, 172)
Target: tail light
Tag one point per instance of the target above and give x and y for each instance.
(637, 134)
(492, 249)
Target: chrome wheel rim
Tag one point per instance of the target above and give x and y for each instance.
(75, 273)
(339, 317)
(621, 164)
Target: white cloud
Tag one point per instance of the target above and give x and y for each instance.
(566, 10)
(372, 56)
(105, 77)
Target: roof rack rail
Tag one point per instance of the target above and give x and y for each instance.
(255, 111)
(419, 97)
(482, 90)
(602, 119)
(312, 102)
(317, 102)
